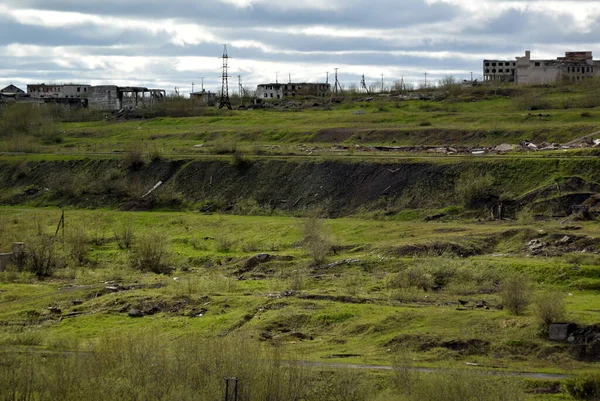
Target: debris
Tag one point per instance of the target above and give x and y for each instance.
(135, 313)
(158, 184)
(565, 240)
(505, 147)
(561, 332)
(339, 263)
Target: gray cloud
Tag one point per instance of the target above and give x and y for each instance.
(148, 42)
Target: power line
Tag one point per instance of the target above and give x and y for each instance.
(363, 84)
(337, 83)
(225, 102)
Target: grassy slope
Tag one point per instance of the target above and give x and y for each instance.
(469, 119)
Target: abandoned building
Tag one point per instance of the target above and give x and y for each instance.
(113, 98)
(65, 91)
(280, 91)
(203, 97)
(12, 90)
(12, 94)
(573, 67)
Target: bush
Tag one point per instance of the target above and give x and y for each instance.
(316, 240)
(549, 308)
(134, 155)
(151, 254)
(515, 293)
(78, 245)
(474, 188)
(124, 234)
(22, 120)
(584, 388)
(452, 385)
(41, 255)
(155, 154)
(148, 367)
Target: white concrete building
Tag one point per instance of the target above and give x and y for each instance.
(573, 67)
(281, 91)
(63, 91)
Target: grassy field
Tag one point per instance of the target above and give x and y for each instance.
(472, 117)
(375, 303)
(129, 304)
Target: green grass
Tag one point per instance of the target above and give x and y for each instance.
(477, 119)
(348, 309)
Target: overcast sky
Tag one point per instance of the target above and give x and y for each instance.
(172, 43)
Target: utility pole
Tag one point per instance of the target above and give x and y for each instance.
(337, 83)
(276, 77)
(363, 84)
(193, 87)
(425, 79)
(225, 102)
(241, 88)
(202, 78)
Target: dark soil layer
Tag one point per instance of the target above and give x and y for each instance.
(332, 188)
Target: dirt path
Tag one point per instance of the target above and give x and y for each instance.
(574, 141)
(484, 371)
(336, 365)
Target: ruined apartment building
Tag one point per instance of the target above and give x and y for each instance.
(574, 67)
(280, 91)
(113, 98)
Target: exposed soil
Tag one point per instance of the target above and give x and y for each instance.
(333, 188)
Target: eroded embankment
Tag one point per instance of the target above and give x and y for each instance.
(335, 188)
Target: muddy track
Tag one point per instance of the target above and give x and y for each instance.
(336, 366)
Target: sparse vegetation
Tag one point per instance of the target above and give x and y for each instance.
(254, 284)
(549, 308)
(475, 188)
(516, 293)
(151, 253)
(316, 240)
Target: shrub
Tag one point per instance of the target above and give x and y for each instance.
(316, 240)
(155, 154)
(584, 388)
(549, 308)
(22, 120)
(225, 145)
(297, 279)
(41, 255)
(78, 245)
(515, 293)
(134, 155)
(473, 188)
(531, 101)
(456, 385)
(124, 234)
(151, 254)
(525, 216)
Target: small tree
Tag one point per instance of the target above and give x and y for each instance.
(41, 255)
(549, 308)
(316, 240)
(474, 188)
(516, 293)
(151, 254)
(124, 234)
(78, 245)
